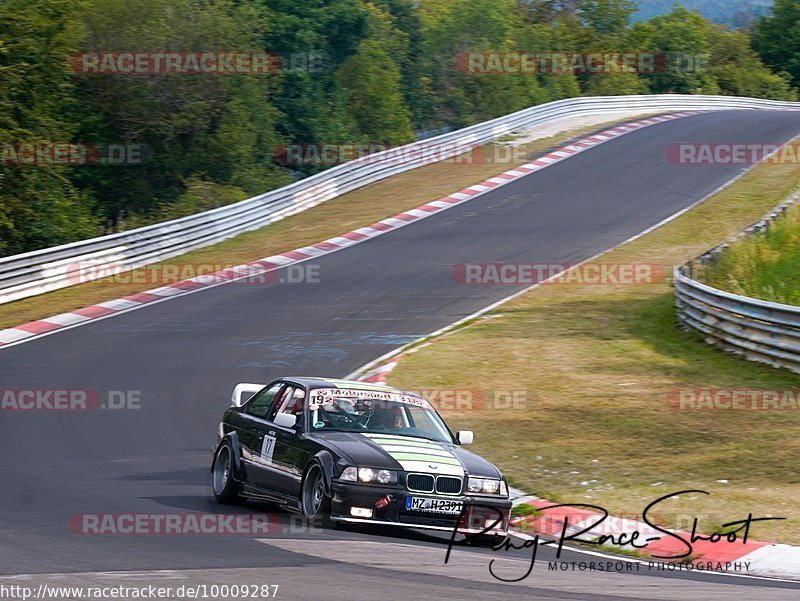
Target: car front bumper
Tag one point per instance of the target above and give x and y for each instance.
(481, 514)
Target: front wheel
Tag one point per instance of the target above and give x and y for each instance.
(226, 489)
(314, 499)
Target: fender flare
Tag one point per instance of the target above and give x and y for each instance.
(325, 461)
(232, 439)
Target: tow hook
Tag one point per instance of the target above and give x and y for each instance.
(381, 503)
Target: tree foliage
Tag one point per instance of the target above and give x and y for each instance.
(351, 71)
(776, 38)
(38, 206)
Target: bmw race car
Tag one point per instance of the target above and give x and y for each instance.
(355, 452)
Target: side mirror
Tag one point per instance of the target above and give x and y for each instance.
(464, 436)
(244, 392)
(285, 420)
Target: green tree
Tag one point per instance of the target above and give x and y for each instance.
(414, 63)
(615, 84)
(776, 38)
(211, 126)
(604, 26)
(39, 206)
(372, 82)
(456, 28)
(738, 70)
(681, 38)
(606, 18)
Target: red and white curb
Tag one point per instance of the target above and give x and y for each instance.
(379, 374)
(752, 558)
(26, 332)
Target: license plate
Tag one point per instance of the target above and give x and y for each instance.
(433, 505)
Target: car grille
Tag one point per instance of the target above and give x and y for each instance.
(448, 486)
(444, 485)
(420, 482)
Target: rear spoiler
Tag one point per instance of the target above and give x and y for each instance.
(243, 392)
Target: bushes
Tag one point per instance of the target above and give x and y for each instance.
(765, 266)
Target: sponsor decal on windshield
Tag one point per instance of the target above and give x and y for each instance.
(326, 396)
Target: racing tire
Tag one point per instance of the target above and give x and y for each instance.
(314, 499)
(226, 489)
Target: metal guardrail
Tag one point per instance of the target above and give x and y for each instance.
(50, 269)
(759, 330)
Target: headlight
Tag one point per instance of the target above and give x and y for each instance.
(368, 475)
(491, 486)
(484, 485)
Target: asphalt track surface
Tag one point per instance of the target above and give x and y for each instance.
(183, 357)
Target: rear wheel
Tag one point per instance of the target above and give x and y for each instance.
(314, 499)
(226, 489)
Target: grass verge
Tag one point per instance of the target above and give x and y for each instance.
(765, 265)
(603, 360)
(350, 211)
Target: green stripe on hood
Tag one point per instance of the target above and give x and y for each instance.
(420, 457)
(415, 454)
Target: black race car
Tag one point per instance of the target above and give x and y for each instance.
(356, 452)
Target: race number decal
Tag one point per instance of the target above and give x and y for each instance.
(267, 449)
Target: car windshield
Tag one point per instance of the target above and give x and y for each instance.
(370, 412)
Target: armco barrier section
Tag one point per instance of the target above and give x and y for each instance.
(50, 269)
(757, 329)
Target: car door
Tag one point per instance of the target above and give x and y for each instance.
(278, 463)
(289, 454)
(257, 437)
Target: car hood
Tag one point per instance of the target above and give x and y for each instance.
(385, 451)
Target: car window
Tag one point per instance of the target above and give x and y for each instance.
(262, 402)
(292, 401)
(425, 423)
(280, 399)
(334, 412)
